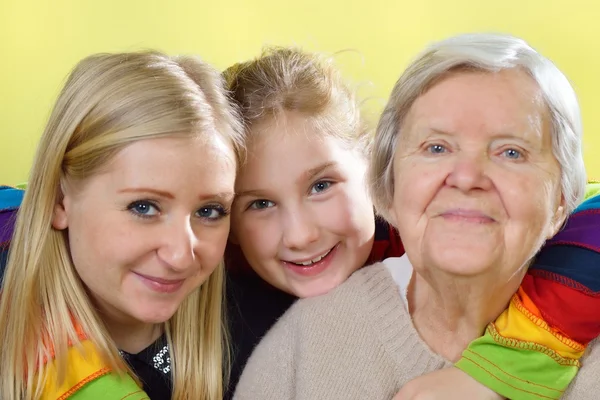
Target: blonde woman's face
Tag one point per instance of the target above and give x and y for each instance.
(151, 227)
(302, 218)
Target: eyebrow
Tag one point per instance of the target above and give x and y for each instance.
(221, 196)
(306, 176)
(160, 193)
(250, 193)
(495, 136)
(311, 173)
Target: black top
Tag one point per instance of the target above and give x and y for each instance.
(153, 367)
(253, 307)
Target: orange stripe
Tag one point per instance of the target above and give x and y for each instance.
(528, 303)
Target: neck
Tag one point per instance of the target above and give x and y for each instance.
(449, 312)
(130, 335)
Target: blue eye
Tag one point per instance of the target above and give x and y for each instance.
(211, 213)
(143, 208)
(261, 204)
(320, 186)
(436, 149)
(512, 154)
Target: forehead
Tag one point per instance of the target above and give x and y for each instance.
(505, 102)
(283, 148)
(172, 161)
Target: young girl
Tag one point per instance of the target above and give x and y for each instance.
(302, 216)
(114, 279)
(302, 219)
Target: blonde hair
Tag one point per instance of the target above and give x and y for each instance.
(487, 53)
(289, 79)
(108, 102)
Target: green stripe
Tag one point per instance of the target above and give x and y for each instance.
(515, 373)
(592, 189)
(110, 386)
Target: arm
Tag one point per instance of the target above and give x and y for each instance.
(532, 350)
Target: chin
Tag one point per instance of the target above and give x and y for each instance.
(316, 288)
(312, 292)
(469, 264)
(155, 315)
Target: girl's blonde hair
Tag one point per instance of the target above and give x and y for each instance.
(288, 79)
(108, 102)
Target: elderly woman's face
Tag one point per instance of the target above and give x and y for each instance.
(477, 188)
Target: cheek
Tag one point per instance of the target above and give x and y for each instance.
(529, 196)
(257, 237)
(347, 215)
(214, 242)
(102, 242)
(415, 186)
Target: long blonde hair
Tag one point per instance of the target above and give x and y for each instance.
(109, 101)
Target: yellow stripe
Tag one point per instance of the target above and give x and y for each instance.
(513, 323)
(82, 367)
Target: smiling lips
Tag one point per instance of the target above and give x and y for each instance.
(466, 215)
(313, 260)
(159, 284)
(312, 266)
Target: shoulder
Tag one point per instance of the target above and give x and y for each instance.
(586, 384)
(362, 294)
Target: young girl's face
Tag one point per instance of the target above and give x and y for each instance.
(302, 215)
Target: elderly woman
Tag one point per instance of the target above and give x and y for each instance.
(477, 163)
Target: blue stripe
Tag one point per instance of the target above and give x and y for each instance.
(576, 263)
(10, 198)
(591, 203)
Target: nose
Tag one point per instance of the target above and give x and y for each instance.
(469, 172)
(299, 229)
(178, 245)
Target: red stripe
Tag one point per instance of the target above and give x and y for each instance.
(572, 312)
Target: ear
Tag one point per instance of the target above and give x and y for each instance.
(559, 218)
(60, 219)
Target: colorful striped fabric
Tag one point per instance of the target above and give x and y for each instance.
(88, 377)
(532, 350)
(10, 200)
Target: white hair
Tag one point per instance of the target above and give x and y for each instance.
(490, 53)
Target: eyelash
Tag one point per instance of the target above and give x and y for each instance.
(221, 211)
(329, 183)
(521, 154)
(131, 208)
(253, 204)
(430, 146)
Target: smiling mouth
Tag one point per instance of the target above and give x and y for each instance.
(313, 260)
(477, 219)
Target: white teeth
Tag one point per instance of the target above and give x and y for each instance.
(314, 260)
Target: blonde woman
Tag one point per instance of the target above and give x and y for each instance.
(113, 285)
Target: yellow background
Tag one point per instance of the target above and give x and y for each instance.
(40, 41)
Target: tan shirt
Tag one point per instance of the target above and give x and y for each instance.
(356, 342)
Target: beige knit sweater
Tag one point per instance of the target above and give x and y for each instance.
(357, 342)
